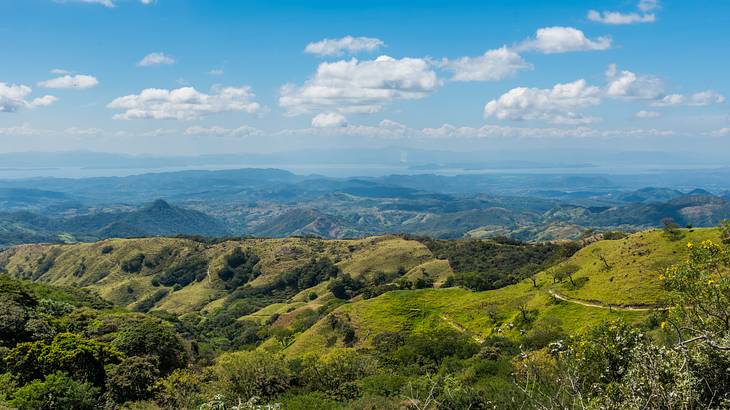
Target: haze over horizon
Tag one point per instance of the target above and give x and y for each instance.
(507, 80)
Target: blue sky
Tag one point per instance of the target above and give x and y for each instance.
(184, 77)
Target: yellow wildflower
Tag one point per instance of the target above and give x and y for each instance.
(664, 325)
(661, 277)
(690, 245)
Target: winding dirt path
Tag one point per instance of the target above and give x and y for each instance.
(602, 306)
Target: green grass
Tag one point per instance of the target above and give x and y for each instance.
(634, 263)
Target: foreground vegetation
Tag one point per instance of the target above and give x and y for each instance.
(385, 323)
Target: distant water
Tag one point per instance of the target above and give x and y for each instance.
(337, 170)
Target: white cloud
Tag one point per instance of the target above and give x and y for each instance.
(216, 72)
(347, 44)
(648, 5)
(552, 40)
(647, 114)
(491, 66)
(722, 132)
(699, 99)
(155, 59)
(670, 100)
(617, 18)
(106, 3)
(78, 82)
(388, 129)
(629, 85)
(360, 86)
(19, 130)
(557, 105)
(328, 120)
(184, 103)
(59, 71)
(13, 97)
(78, 131)
(707, 97)
(217, 131)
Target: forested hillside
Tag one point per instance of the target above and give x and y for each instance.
(383, 322)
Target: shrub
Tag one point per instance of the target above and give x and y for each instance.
(80, 358)
(181, 389)
(251, 374)
(56, 392)
(132, 379)
(150, 338)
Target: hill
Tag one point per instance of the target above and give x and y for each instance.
(158, 218)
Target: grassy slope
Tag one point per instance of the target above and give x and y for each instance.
(635, 262)
(98, 265)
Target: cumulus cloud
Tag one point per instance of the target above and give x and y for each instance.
(557, 105)
(491, 66)
(106, 3)
(553, 40)
(629, 85)
(617, 18)
(700, 99)
(155, 59)
(13, 97)
(344, 45)
(329, 120)
(184, 103)
(360, 86)
(78, 82)
(217, 131)
(643, 114)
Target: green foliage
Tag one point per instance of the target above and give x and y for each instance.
(427, 350)
(239, 267)
(251, 374)
(671, 229)
(344, 286)
(80, 358)
(132, 379)
(337, 373)
(725, 231)
(133, 264)
(149, 337)
(489, 264)
(181, 389)
(311, 274)
(56, 391)
(701, 286)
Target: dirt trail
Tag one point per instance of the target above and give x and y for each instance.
(602, 306)
(461, 328)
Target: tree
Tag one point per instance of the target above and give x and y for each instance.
(671, 229)
(56, 391)
(181, 389)
(82, 359)
(725, 231)
(149, 337)
(598, 253)
(244, 375)
(132, 379)
(701, 286)
(568, 271)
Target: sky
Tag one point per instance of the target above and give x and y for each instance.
(173, 77)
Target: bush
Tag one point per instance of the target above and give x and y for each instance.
(181, 389)
(132, 379)
(251, 374)
(150, 338)
(80, 358)
(337, 374)
(56, 392)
